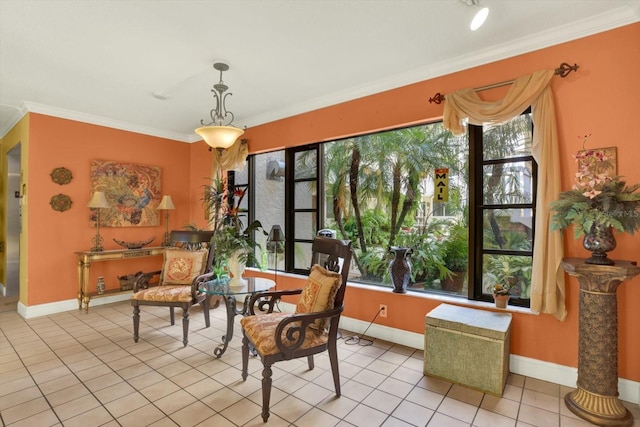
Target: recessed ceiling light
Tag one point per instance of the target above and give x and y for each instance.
(158, 94)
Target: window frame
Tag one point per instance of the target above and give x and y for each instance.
(477, 208)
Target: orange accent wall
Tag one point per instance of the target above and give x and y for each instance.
(601, 99)
(55, 236)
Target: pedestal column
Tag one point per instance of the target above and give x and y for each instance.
(596, 397)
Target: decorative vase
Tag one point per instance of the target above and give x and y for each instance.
(501, 300)
(400, 269)
(236, 267)
(100, 285)
(599, 240)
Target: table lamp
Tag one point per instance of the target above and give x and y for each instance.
(166, 204)
(98, 201)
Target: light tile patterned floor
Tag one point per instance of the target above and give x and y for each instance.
(77, 369)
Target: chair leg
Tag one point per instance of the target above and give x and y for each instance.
(172, 316)
(310, 361)
(333, 358)
(245, 357)
(136, 322)
(266, 391)
(185, 325)
(205, 308)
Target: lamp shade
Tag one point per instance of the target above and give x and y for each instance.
(276, 234)
(98, 200)
(219, 136)
(166, 203)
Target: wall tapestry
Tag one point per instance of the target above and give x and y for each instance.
(133, 192)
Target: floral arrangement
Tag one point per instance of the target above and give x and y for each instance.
(230, 234)
(596, 198)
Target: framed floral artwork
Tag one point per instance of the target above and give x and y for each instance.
(132, 190)
(598, 161)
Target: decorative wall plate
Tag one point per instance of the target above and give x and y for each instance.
(61, 202)
(61, 176)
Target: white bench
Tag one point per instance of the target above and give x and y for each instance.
(468, 347)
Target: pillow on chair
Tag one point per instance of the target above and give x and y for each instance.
(319, 293)
(182, 266)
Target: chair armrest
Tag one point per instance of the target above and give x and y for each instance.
(142, 280)
(266, 301)
(197, 281)
(296, 327)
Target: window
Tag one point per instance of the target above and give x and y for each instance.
(378, 191)
(503, 219)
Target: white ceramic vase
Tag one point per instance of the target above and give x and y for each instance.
(237, 269)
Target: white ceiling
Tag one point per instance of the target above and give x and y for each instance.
(99, 61)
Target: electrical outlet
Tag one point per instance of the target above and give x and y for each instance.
(383, 310)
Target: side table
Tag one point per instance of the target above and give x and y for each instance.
(251, 286)
(596, 397)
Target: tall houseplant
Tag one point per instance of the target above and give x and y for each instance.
(232, 241)
(595, 206)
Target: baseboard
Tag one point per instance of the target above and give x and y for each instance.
(29, 312)
(559, 374)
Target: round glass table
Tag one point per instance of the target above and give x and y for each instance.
(221, 287)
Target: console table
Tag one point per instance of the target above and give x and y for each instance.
(84, 264)
(596, 397)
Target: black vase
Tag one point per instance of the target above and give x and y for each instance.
(400, 269)
(599, 240)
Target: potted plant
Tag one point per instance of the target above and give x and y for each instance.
(232, 242)
(455, 256)
(596, 205)
(501, 293)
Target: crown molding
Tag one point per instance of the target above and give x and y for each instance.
(14, 117)
(104, 121)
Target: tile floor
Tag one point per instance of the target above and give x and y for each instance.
(77, 369)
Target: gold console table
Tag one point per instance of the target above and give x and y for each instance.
(84, 264)
(596, 397)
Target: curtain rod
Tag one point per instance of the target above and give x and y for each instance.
(563, 70)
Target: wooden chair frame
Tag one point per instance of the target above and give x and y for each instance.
(190, 240)
(296, 325)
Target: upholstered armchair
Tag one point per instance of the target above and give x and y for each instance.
(187, 263)
(311, 329)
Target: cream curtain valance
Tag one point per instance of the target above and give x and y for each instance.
(233, 157)
(547, 278)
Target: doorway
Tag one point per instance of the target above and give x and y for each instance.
(11, 285)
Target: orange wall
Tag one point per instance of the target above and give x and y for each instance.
(55, 236)
(601, 99)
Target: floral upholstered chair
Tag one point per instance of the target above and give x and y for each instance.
(187, 263)
(312, 328)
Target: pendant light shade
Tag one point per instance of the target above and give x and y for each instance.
(219, 136)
